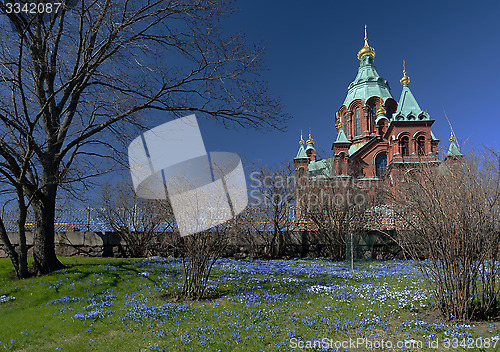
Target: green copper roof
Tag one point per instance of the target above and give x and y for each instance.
(301, 154)
(453, 150)
(341, 138)
(320, 168)
(367, 83)
(355, 147)
(408, 108)
(434, 137)
(310, 146)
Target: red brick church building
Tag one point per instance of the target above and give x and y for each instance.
(377, 136)
(375, 133)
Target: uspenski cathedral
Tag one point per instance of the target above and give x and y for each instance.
(376, 135)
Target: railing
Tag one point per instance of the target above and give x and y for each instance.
(82, 219)
(91, 219)
(87, 219)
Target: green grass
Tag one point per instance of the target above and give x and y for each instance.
(44, 326)
(262, 307)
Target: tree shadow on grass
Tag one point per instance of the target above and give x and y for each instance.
(122, 273)
(175, 296)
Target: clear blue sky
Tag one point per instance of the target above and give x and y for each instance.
(451, 50)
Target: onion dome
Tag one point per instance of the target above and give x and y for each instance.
(366, 49)
(405, 79)
(368, 82)
(310, 140)
(381, 111)
(381, 114)
(310, 143)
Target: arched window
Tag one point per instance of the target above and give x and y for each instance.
(344, 122)
(373, 110)
(358, 121)
(381, 165)
(404, 146)
(421, 145)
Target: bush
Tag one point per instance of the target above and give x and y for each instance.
(450, 215)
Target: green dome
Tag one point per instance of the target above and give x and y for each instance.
(367, 83)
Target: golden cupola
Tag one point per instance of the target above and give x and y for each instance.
(366, 50)
(310, 140)
(405, 79)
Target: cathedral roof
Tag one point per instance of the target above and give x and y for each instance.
(301, 154)
(342, 138)
(408, 108)
(367, 83)
(453, 150)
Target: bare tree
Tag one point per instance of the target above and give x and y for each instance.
(199, 253)
(140, 223)
(269, 215)
(93, 66)
(451, 215)
(338, 210)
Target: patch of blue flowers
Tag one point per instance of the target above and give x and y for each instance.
(264, 305)
(97, 307)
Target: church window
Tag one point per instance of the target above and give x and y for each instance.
(373, 109)
(381, 165)
(346, 129)
(358, 122)
(421, 145)
(404, 146)
(388, 112)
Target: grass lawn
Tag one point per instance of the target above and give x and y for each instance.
(101, 304)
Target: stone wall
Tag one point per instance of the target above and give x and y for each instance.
(298, 244)
(80, 243)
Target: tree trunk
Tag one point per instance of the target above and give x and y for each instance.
(44, 255)
(281, 244)
(304, 242)
(9, 249)
(23, 249)
(274, 243)
(18, 258)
